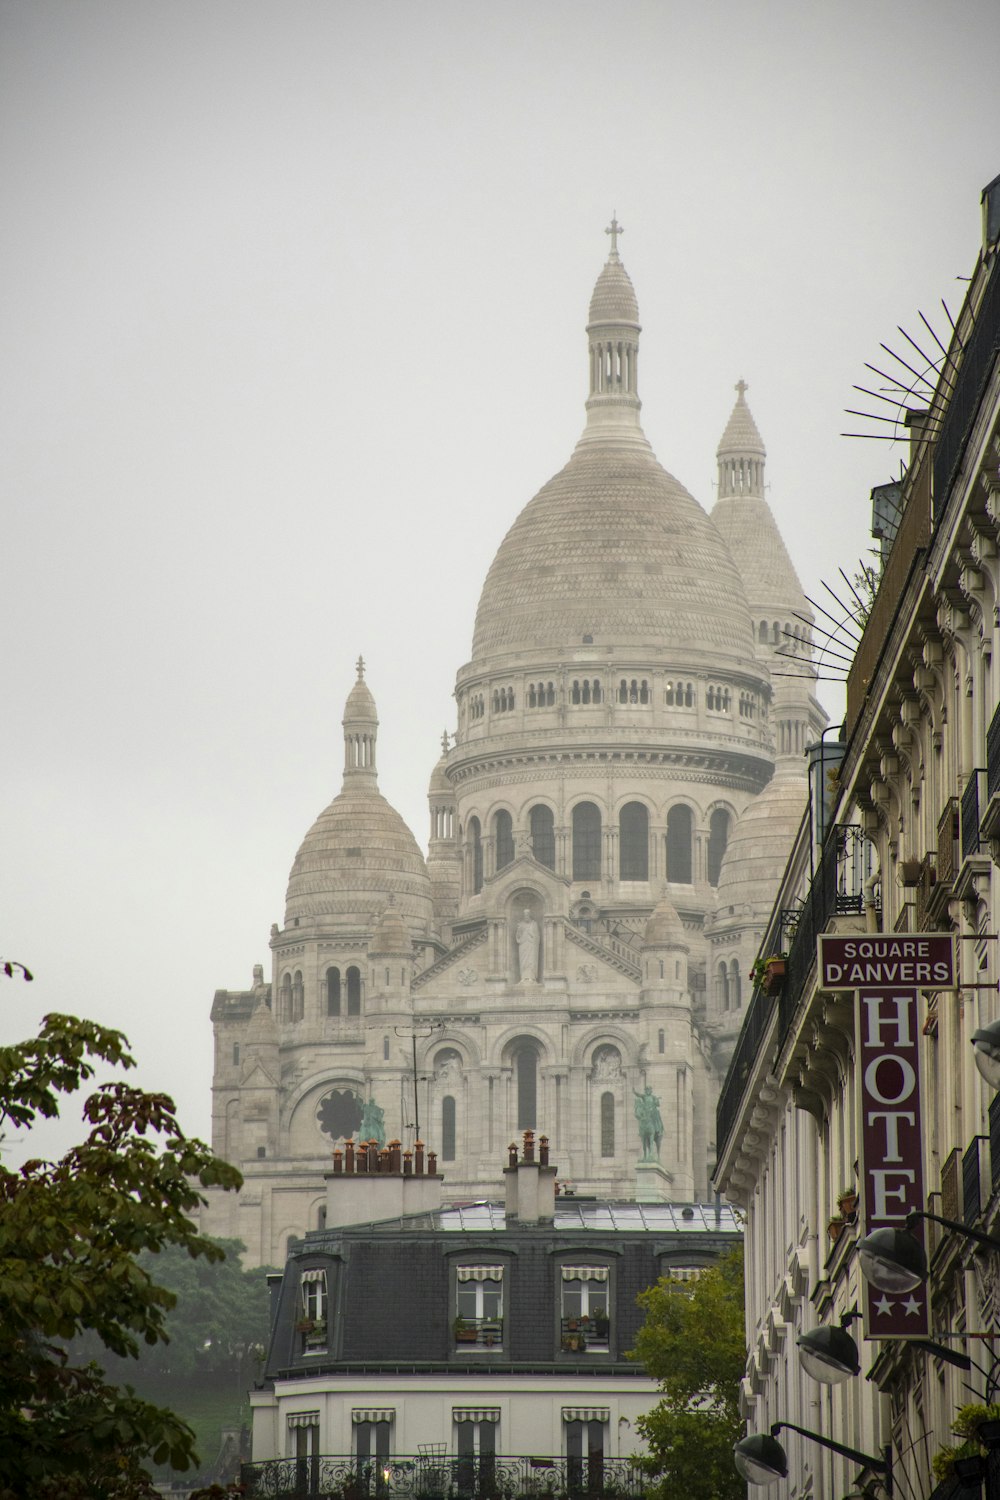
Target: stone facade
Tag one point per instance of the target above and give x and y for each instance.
(572, 954)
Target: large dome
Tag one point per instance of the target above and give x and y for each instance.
(357, 854)
(757, 852)
(613, 548)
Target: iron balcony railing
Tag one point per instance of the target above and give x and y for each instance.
(972, 1180)
(993, 756)
(948, 858)
(836, 889)
(432, 1477)
(994, 1115)
(480, 1333)
(973, 807)
(980, 352)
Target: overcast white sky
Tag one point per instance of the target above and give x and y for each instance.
(292, 327)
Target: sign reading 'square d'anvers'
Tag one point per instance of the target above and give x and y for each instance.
(887, 971)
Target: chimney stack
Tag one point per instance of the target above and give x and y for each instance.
(530, 1184)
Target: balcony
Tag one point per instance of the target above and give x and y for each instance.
(990, 825)
(585, 1335)
(975, 858)
(432, 1477)
(478, 1333)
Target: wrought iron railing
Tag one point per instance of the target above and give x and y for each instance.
(981, 347)
(993, 756)
(994, 1115)
(973, 807)
(948, 857)
(479, 1333)
(837, 888)
(951, 1185)
(429, 1477)
(579, 1334)
(972, 1180)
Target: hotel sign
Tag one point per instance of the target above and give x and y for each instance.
(886, 973)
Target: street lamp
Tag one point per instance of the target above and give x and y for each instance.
(894, 1260)
(829, 1354)
(986, 1048)
(760, 1458)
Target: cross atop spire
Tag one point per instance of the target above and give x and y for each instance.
(360, 664)
(614, 229)
(444, 742)
(741, 388)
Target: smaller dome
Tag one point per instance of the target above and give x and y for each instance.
(614, 299)
(741, 435)
(664, 928)
(757, 853)
(439, 776)
(360, 704)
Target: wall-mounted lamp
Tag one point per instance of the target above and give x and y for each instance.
(828, 1354)
(895, 1261)
(986, 1049)
(760, 1458)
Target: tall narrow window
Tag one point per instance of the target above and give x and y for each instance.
(314, 1310)
(679, 825)
(543, 836)
(448, 1128)
(503, 833)
(333, 992)
(372, 1430)
(298, 997)
(476, 842)
(586, 841)
(607, 1124)
(526, 1082)
(475, 1446)
(633, 842)
(479, 1306)
(353, 991)
(734, 985)
(285, 998)
(718, 838)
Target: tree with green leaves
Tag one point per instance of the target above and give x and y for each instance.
(693, 1342)
(72, 1237)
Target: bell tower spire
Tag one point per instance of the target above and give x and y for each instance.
(741, 452)
(360, 734)
(613, 335)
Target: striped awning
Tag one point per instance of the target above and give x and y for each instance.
(475, 1414)
(584, 1273)
(585, 1413)
(480, 1273)
(373, 1414)
(308, 1276)
(303, 1419)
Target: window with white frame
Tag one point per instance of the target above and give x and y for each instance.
(313, 1308)
(476, 1429)
(479, 1306)
(586, 1309)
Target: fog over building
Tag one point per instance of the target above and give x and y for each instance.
(608, 825)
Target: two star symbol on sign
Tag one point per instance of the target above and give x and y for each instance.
(884, 1306)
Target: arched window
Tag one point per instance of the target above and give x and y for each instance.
(476, 840)
(722, 986)
(633, 842)
(543, 835)
(718, 838)
(734, 985)
(679, 844)
(607, 1124)
(448, 1128)
(503, 833)
(285, 1005)
(526, 1083)
(661, 1043)
(353, 991)
(298, 997)
(333, 992)
(586, 842)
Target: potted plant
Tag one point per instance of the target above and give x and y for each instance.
(836, 1227)
(602, 1327)
(847, 1202)
(768, 973)
(305, 1325)
(465, 1332)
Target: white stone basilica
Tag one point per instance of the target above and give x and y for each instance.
(607, 830)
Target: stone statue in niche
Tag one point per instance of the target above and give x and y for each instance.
(372, 1127)
(527, 937)
(650, 1122)
(449, 1068)
(607, 1064)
